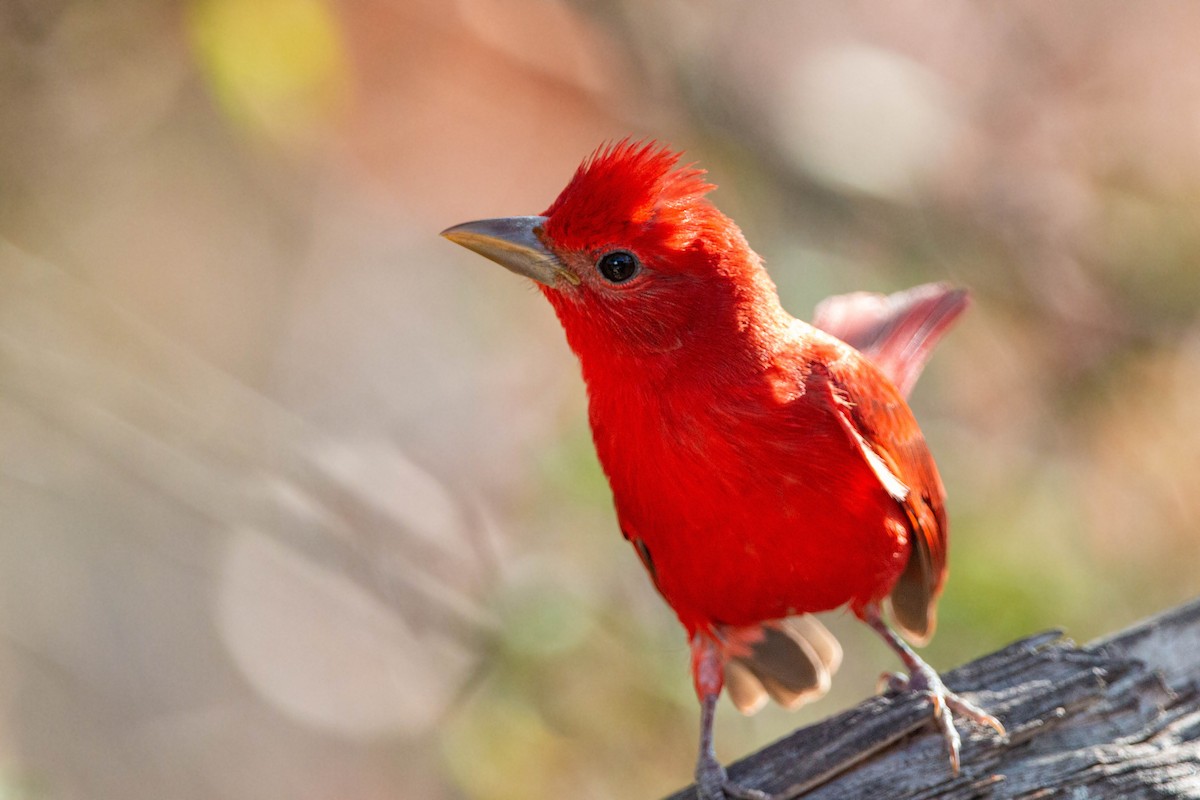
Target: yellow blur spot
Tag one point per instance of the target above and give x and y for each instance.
(276, 67)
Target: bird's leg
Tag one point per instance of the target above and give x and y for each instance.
(708, 672)
(922, 678)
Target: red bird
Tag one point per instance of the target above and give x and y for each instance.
(761, 467)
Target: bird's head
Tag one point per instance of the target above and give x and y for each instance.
(634, 258)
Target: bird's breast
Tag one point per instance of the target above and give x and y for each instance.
(751, 503)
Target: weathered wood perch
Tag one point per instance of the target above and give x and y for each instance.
(1118, 718)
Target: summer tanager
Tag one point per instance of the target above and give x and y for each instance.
(761, 467)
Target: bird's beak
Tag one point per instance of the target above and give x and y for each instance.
(513, 243)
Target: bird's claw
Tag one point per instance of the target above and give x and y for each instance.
(712, 783)
(739, 792)
(891, 682)
(946, 704)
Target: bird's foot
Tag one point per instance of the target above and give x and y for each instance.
(945, 703)
(712, 783)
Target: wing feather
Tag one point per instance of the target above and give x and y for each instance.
(879, 421)
(896, 331)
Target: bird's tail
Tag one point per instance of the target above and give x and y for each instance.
(791, 661)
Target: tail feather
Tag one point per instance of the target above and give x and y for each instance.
(791, 661)
(744, 688)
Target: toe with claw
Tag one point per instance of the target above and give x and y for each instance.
(946, 704)
(712, 783)
(922, 678)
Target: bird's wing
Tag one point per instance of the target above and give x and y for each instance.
(896, 331)
(878, 420)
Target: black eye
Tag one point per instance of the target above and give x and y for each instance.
(618, 266)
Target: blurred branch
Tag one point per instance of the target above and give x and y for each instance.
(195, 437)
(1118, 718)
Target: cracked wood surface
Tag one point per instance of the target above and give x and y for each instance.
(1117, 718)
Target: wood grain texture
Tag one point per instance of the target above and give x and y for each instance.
(1117, 718)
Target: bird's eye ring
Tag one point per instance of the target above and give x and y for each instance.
(618, 266)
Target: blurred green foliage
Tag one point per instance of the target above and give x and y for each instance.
(278, 67)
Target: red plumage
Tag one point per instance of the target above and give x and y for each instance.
(762, 467)
(721, 421)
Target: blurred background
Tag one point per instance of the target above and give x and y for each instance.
(297, 500)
